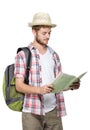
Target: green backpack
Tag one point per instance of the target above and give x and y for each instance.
(13, 98)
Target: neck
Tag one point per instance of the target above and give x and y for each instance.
(41, 48)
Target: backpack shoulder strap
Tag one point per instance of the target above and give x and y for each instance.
(28, 61)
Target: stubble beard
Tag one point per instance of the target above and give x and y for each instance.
(40, 42)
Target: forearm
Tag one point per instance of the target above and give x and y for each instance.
(25, 88)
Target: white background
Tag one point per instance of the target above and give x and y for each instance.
(70, 39)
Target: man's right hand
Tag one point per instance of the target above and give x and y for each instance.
(45, 89)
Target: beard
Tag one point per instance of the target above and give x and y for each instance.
(40, 42)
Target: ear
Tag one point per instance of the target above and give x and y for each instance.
(34, 32)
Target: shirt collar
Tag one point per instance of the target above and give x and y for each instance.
(49, 48)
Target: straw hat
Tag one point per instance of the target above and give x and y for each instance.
(41, 19)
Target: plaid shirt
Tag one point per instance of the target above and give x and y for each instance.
(34, 103)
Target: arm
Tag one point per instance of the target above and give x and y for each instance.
(19, 73)
(24, 88)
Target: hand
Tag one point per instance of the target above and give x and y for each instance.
(45, 89)
(75, 85)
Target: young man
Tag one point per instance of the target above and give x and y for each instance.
(42, 110)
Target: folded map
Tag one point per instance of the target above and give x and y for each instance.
(64, 81)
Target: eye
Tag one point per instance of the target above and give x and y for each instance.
(44, 33)
(49, 32)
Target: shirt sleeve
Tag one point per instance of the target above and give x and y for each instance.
(19, 66)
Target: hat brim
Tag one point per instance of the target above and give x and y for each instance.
(51, 25)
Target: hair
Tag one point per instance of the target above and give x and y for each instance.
(37, 27)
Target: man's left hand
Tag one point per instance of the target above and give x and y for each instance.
(75, 85)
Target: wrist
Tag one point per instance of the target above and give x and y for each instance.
(37, 90)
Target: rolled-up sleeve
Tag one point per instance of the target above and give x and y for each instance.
(19, 66)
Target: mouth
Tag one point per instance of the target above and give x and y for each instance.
(46, 40)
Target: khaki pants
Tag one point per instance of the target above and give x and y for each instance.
(36, 122)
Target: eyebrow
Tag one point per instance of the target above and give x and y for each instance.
(46, 32)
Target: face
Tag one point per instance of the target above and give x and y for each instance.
(42, 36)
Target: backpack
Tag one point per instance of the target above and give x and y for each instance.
(12, 97)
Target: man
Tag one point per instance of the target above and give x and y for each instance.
(42, 110)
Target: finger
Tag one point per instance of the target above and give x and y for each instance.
(78, 81)
(51, 87)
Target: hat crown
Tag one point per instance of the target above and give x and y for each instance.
(41, 19)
